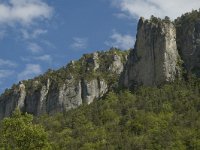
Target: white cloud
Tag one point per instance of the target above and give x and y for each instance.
(30, 71)
(38, 32)
(121, 41)
(34, 34)
(5, 73)
(45, 58)
(159, 8)
(79, 43)
(7, 63)
(122, 16)
(25, 59)
(24, 11)
(34, 48)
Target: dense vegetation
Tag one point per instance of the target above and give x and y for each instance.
(186, 18)
(166, 117)
(19, 133)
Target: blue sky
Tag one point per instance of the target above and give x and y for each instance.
(39, 34)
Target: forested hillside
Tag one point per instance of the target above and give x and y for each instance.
(166, 117)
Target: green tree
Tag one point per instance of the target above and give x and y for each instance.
(19, 133)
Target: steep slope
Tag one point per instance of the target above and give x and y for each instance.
(80, 82)
(155, 58)
(188, 40)
(160, 47)
(164, 118)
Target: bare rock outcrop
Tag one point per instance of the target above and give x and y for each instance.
(81, 82)
(188, 41)
(154, 59)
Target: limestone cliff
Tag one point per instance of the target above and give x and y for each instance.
(80, 82)
(154, 59)
(188, 40)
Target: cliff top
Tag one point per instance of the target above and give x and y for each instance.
(89, 66)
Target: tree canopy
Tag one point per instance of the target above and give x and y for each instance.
(19, 133)
(155, 118)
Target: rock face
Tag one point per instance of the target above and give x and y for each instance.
(188, 41)
(93, 89)
(153, 61)
(81, 82)
(116, 67)
(155, 57)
